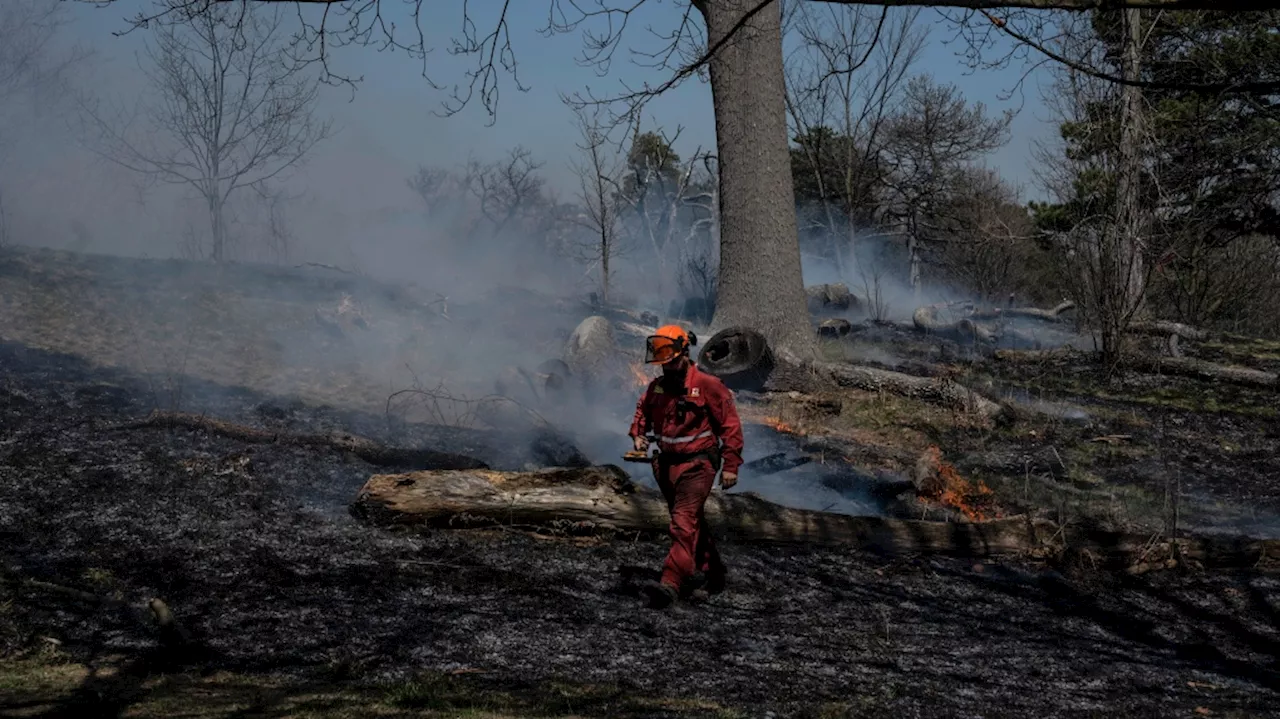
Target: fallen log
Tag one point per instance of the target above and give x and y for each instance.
(740, 357)
(743, 360)
(935, 390)
(1031, 313)
(366, 449)
(1165, 327)
(925, 319)
(604, 498)
(1192, 367)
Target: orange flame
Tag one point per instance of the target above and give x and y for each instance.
(778, 425)
(973, 500)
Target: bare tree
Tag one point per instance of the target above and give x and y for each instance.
(598, 188)
(1127, 288)
(987, 243)
(1107, 238)
(435, 186)
(481, 202)
(930, 140)
(30, 63)
(741, 50)
(230, 110)
(508, 190)
(843, 84)
(28, 60)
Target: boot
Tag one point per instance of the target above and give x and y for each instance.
(660, 595)
(707, 583)
(716, 580)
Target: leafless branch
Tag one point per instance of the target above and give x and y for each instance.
(227, 109)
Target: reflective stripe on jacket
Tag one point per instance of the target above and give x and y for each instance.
(695, 418)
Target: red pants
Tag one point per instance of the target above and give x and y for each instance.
(686, 486)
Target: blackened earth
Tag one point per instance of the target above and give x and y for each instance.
(251, 548)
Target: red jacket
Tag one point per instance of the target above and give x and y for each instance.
(709, 415)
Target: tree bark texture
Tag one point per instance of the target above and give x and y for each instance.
(761, 282)
(592, 499)
(1200, 369)
(217, 226)
(604, 498)
(935, 390)
(1125, 293)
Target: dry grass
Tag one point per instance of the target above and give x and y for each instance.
(196, 321)
(45, 684)
(888, 422)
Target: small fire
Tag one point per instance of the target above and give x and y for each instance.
(947, 487)
(778, 425)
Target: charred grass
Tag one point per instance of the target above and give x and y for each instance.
(1131, 451)
(296, 610)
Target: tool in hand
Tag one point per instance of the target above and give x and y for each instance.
(641, 455)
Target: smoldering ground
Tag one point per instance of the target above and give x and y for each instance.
(247, 544)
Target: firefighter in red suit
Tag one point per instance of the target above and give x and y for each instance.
(693, 419)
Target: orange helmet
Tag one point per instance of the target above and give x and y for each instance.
(669, 343)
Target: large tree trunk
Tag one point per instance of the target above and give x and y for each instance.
(761, 283)
(604, 498)
(1126, 290)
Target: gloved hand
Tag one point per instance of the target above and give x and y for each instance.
(727, 480)
(641, 443)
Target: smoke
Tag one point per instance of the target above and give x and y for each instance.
(876, 271)
(443, 290)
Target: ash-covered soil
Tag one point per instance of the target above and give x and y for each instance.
(1214, 445)
(1139, 437)
(244, 543)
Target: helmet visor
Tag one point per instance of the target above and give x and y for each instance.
(660, 350)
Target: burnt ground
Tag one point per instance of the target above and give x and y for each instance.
(268, 583)
(251, 547)
(1131, 450)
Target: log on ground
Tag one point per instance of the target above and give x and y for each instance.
(743, 360)
(935, 390)
(1166, 327)
(925, 319)
(1191, 367)
(366, 449)
(1053, 314)
(604, 498)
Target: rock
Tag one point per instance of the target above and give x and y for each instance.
(835, 328)
(830, 298)
(591, 349)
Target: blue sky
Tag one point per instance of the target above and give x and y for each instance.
(392, 111)
(391, 125)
